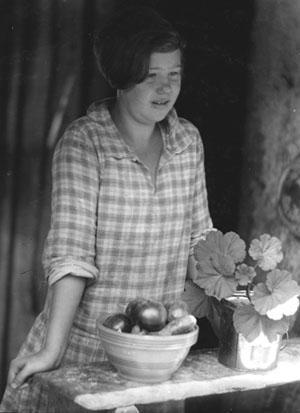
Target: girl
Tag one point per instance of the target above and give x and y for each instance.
(129, 203)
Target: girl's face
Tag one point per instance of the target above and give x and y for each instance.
(150, 101)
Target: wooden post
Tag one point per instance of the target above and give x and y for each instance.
(270, 200)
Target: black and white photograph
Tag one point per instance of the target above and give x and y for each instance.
(149, 206)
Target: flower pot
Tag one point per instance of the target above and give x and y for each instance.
(238, 353)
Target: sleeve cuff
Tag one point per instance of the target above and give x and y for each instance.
(61, 267)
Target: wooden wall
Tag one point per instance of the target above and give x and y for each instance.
(270, 196)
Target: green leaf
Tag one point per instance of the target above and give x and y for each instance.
(262, 300)
(281, 283)
(216, 242)
(205, 268)
(235, 246)
(216, 256)
(277, 290)
(248, 322)
(216, 285)
(266, 251)
(205, 248)
(245, 274)
(223, 264)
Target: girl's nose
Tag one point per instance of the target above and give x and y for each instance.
(164, 86)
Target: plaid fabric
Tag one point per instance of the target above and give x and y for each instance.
(112, 224)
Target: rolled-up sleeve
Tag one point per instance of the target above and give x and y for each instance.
(70, 244)
(201, 222)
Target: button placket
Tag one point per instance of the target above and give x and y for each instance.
(146, 174)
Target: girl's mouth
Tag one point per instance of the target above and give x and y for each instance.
(160, 103)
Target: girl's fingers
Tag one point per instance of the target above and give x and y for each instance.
(22, 375)
(15, 366)
(25, 367)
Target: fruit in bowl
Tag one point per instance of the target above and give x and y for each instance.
(176, 310)
(119, 322)
(148, 354)
(149, 315)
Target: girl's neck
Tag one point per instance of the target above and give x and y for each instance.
(132, 131)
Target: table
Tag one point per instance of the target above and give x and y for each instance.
(98, 386)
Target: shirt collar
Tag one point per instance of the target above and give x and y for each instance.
(174, 136)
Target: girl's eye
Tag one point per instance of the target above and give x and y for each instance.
(151, 75)
(175, 75)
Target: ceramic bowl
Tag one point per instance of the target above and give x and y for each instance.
(146, 358)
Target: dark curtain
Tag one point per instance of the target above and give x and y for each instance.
(48, 78)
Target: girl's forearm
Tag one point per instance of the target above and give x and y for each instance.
(66, 296)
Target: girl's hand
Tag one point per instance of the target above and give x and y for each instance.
(23, 367)
(60, 321)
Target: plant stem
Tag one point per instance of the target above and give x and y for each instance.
(248, 292)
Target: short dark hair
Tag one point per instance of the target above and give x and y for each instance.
(123, 47)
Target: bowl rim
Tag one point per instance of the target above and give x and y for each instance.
(149, 337)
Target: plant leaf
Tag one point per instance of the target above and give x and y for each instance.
(289, 308)
(223, 244)
(266, 251)
(250, 323)
(245, 274)
(223, 264)
(212, 281)
(207, 247)
(216, 285)
(234, 246)
(205, 268)
(262, 299)
(278, 289)
(246, 321)
(281, 282)
(216, 257)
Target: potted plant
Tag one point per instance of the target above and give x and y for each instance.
(254, 298)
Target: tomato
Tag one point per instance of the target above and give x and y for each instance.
(177, 309)
(119, 322)
(147, 314)
(130, 310)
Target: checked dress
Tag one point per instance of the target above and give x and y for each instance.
(111, 223)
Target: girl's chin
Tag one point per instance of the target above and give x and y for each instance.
(152, 115)
(157, 118)
(160, 113)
